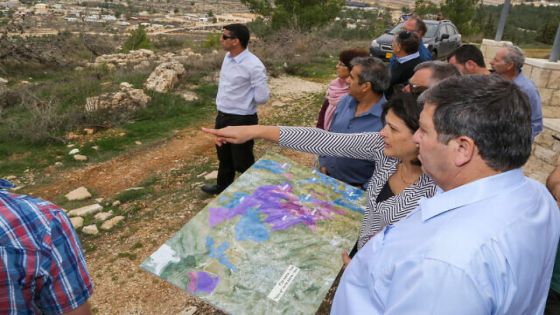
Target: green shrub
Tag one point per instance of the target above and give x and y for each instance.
(138, 39)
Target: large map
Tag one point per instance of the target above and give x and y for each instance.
(269, 244)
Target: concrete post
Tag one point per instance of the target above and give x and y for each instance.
(556, 47)
(503, 18)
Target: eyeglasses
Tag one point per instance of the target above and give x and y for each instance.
(416, 89)
(225, 37)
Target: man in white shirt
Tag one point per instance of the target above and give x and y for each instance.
(243, 85)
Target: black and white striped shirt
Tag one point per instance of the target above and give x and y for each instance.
(367, 146)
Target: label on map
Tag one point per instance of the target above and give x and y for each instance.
(284, 283)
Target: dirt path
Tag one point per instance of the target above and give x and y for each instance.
(113, 258)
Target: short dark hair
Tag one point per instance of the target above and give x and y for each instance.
(468, 52)
(239, 31)
(440, 70)
(420, 25)
(406, 107)
(409, 41)
(490, 110)
(373, 71)
(347, 55)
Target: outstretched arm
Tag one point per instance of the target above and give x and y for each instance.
(242, 134)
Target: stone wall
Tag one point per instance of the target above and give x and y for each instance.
(546, 151)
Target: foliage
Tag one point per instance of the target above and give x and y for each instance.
(461, 13)
(424, 8)
(296, 14)
(138, 39)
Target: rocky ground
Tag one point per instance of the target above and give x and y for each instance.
(172, 170)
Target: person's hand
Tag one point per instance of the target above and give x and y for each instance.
(345, 258)
(231, 134)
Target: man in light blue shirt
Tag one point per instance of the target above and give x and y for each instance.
(485, 244)
(358, 112)
(508, 63)
(243, 85)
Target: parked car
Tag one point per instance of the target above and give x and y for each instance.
(441, 38)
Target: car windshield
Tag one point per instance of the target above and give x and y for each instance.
(432, 29)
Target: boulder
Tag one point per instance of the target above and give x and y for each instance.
(87, 210)
(77, 222)
(127, 98)
(90, 230)
(165, 76)
(109, 224)
(80, 193)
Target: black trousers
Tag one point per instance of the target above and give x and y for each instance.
(234, 157)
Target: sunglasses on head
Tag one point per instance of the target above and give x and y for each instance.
(405, 34)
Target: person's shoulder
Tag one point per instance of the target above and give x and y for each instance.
(31, 216)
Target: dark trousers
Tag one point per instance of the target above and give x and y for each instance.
(234, 157)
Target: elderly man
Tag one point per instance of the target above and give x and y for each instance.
(508, 62)
(359, 111)
(416, 25)
(485, 243)
(242, 86)
(427, 74)
(468, 59)
(42, 266)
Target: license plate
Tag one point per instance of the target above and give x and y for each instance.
(388, 55)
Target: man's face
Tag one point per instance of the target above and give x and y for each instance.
(228, 41)
(436, 157)
(356, 89)
(459, 66)
(420, 80)
(499, 64)
(410, 25)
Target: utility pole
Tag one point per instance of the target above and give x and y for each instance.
(555, 47)
(503, 18)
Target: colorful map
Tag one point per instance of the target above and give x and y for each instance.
(269, 244)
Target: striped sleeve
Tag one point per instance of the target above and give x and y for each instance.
(364, 146)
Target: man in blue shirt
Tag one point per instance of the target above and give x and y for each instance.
(358, 112)
(508, 62)
(242, 86)
(486, 242)
(416, 25)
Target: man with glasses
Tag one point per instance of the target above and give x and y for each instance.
(243, 85)
(427, 74)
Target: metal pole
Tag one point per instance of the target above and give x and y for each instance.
(555, 47)
(503, 18)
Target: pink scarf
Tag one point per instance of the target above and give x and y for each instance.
(336, 89)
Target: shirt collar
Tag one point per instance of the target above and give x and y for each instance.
(375, 110)
(408, 57)
(469, 193)
(240, 57)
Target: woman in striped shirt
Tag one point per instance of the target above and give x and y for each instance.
(397, 183)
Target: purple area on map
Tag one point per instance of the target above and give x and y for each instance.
(202, 282)
(283, 208)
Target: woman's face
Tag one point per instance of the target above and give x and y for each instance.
(398, 138)
(342, 71)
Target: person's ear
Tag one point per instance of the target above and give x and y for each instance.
(465, 149)
(470, 66)
(366, 87)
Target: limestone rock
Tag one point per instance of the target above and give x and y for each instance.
(80, 193)
(91, 209)
(90, 230)
(165, 76)
(80, 157)
(109, 224)
(190, 310)
(74, 151)
(77, 222)
(127, 98)
(102, 216)
(132, 58)
(211, 175)
(3, 81)
(189, 96)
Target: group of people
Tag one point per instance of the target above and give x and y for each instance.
(452, 226)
